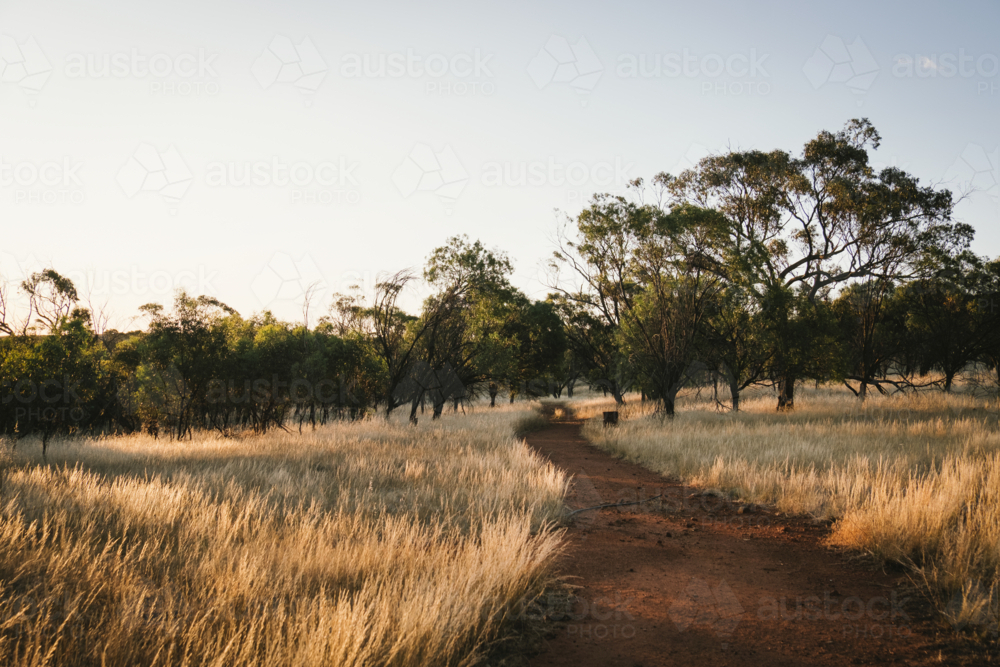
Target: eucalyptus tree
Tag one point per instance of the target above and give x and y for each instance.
(675, 261)
(811, 224)
(182, 352)
(591, 276)
(51, 297)
(643, 276)
(735, 342)
(952, 317)
(395, 342)
(593, 346)
(872, 334)
(472, 320)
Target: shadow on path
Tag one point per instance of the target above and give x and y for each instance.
(692, 579)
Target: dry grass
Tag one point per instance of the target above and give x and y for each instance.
(369, 543)
(913, 479)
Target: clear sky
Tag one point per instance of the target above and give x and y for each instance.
(248, 149)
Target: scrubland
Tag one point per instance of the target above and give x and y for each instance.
(359, 543)
(913, 478)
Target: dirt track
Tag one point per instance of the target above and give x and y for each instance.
(691, 579)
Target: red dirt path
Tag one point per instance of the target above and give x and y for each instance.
(691, 579)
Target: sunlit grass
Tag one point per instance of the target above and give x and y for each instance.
(909, 478)
(366, 543)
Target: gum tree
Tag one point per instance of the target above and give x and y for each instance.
(812, 224)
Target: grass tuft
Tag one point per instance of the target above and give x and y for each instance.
(355, 544)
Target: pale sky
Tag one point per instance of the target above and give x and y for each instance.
(247, 149)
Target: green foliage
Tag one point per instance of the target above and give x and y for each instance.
(952, 316)
(60, 382)
(754, 266)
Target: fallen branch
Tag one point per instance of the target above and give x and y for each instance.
(618, 504)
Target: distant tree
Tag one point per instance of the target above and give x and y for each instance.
(664, 324)
(472, 318)
(593, 344)
(181, 354)
(735, 342)
(645, 276)
(814, 223)
(53, 383)
(395, 344)
(51, 297)
(537, 347)
(591, 273)
(873, 334)
(951, 317)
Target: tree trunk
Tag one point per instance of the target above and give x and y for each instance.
(786, 392)
(734, 393)
(667, 403)
(619, 398)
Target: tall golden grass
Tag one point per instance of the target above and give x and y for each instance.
(909, 478)
(367, 543)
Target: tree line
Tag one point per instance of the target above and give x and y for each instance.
(767, 268)
(750, 268)
(201, 365)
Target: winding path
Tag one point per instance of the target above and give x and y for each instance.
(691, 579)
